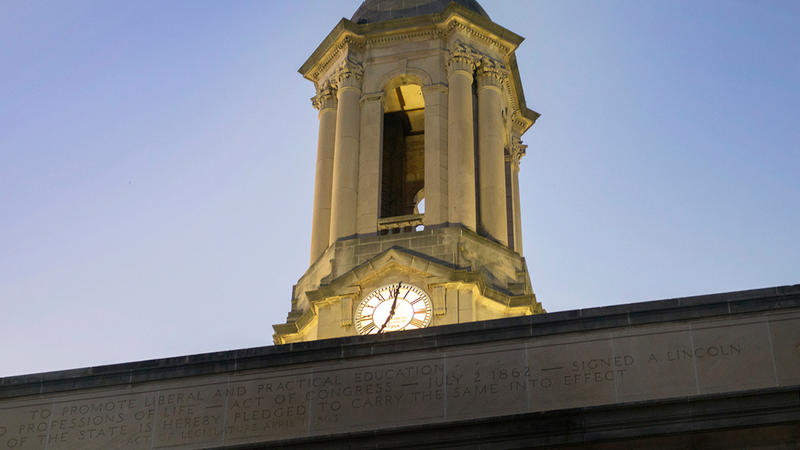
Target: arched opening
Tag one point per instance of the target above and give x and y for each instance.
(403, 157)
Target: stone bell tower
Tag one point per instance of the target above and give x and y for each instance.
(416, 200)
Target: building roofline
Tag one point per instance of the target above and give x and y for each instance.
(345, 26)
(232, 361)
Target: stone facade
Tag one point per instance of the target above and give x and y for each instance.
(474, 116)
(468, 277)
(717, 371)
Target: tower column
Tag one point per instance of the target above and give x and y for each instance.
(491, 160)
(369, 166)
(517, 151)
(345, 154)
(435, 154)
(325, 102)
(460, 139)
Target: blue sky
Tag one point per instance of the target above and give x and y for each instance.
(157, 162)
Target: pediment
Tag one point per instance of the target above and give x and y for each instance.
(330, 307)
(395, 260)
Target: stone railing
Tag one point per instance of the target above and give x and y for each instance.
(397, 224)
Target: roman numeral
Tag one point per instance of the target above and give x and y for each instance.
(417, 323)
(370, 328)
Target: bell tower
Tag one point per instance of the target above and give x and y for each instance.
(416, 219)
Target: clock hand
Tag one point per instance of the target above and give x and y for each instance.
(394, 305)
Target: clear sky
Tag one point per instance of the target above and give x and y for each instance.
(157, 163)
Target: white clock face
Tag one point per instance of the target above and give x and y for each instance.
(394, 307)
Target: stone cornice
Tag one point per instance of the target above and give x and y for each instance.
(349, 37)
(456, 25)
(523, 117)
(454, 18)
(386, 39)
(446, 26)
(373, 97)
(345, 43)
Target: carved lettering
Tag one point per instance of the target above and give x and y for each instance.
(267, 405)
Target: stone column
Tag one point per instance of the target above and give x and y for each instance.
(369, 165)
(460, 139)
(491, 161)
(345, 154)
(517, 151)
(435, 154)
(325, 102)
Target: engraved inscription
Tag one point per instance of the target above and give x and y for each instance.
(367, 394)
(722, 350)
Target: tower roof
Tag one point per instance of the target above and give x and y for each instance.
(372, 11)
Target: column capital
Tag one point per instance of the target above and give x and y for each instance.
(325, 98)
(515, 151)
(491, 73)
(349, 75)
(462, 59)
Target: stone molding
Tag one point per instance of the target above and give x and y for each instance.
(374, 97)
(326, 97)
(346, 44)
(440, 31)
(458, 26)
(388, 39)
(519, 122)
(454, 19)
(434, 88)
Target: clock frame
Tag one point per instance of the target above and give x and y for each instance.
(393, 307)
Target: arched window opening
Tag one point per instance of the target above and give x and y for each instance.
(403, 159)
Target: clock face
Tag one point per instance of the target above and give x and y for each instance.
(394, 307)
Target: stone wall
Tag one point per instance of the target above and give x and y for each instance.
(732, 345)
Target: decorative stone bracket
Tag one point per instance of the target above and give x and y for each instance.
(326, 97)
(491, 73)
(516, 151)
(349, 75)
(462, 58)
